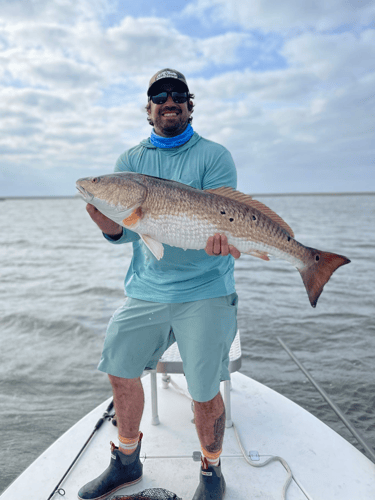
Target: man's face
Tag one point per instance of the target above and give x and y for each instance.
(170, 119)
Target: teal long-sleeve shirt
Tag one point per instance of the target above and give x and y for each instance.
(181, 275)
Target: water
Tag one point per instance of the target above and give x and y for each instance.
(61, 281)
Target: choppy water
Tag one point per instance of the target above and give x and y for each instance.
(61, 281)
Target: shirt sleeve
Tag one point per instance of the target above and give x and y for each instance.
(123, 165)
(220, 171)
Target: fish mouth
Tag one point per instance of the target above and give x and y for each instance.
(85, 194)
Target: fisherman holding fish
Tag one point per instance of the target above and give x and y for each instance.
(178, 189)
(187, 296)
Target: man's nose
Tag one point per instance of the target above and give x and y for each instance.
(169, 99)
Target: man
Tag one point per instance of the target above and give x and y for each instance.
(181, 286)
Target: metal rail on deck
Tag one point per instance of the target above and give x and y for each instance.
(335, 408)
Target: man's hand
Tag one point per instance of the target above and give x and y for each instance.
(218, 245)
(106, 225)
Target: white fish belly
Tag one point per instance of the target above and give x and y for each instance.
(248, 246)
(178, 231)
(192, 233)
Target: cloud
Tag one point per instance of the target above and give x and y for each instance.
(344, 55)
(64, 12)
(273, 15)
(135, 45)
(310, 124)
(42, 127)
(74, 94)
(84, 53)
(294, 110)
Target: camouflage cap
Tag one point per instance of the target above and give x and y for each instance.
(166, 74)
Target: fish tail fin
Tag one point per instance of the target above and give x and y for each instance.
(318, 270)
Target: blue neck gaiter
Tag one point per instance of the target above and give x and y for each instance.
(172, 142)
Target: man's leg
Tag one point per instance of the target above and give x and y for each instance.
(132, 343)
(128, 398)
(210, 424)
(125, 467)
(204, 331)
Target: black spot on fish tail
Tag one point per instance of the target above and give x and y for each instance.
(318, 271)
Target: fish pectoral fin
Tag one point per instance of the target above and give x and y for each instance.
(259, 254)
(155, 247)
(134, 217)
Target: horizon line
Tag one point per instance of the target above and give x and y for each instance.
(344, 193)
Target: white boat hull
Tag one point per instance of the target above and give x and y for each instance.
(326, 466)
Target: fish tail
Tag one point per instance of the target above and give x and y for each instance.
(318, 270)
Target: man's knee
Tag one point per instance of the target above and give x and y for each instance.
(118, 382)
(212, 403)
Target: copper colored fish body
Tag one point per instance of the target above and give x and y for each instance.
(164, 211)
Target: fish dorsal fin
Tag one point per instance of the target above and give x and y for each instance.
(231, 193)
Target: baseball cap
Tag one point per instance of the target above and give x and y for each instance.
(163, 76)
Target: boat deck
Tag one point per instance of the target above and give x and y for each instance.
(325, 466)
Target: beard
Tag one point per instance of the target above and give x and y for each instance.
(173, 126)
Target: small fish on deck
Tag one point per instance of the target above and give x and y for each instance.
(165, 211)
(149, 494)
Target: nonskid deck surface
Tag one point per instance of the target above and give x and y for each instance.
(325, 466)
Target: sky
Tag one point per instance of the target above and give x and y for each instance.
(288, 87)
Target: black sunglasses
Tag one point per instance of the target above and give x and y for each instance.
(178, 97)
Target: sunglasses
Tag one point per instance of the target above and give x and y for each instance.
(178, 97)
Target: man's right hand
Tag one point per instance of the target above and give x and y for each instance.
(106, 225)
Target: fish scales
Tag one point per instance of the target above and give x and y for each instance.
(167, 216)
(175, 216)
(164, 211)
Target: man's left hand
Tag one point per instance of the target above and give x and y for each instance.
(218, 245)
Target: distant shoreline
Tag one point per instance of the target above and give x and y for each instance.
(358, 193)
(257, 195)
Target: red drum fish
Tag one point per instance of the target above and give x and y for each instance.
(149, 494)
(165, 211)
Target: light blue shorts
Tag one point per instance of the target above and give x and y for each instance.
(139, 332)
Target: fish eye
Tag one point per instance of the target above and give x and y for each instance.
(95, 180)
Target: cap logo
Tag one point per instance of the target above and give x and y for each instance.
(167, 74)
